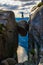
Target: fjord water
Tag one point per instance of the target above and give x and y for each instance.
(19, 19)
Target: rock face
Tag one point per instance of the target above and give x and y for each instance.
(37, 23)
(9, 61)
(33, 8)
(36, 31)
(8, 44)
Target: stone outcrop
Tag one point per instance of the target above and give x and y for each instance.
(8, 44)
(8, 61)
(36, 31)
(37, 21)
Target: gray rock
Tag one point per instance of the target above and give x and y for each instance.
(33, 8)
(9, 61)
(19, 64)
(26, 63)
(36, 32)
(37, 24)
(8, 44)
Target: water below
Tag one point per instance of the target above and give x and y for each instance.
(19, 19)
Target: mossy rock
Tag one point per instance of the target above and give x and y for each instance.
(32, 51)
(40, 4)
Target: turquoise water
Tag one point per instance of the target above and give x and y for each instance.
(19, 19)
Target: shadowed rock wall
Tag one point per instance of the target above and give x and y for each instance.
(36, 31)
(9, 46)
(37, 22)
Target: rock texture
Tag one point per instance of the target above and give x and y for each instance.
(37, 22)
(36, 31)
(8, 38)
(9, 61)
